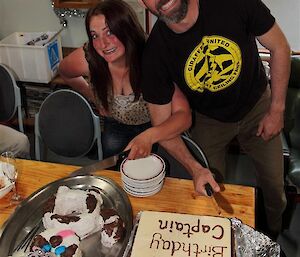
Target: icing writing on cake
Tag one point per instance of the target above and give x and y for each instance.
(162, 234)
(217, 231)
(190, 249)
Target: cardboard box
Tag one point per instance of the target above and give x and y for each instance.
(31, 56)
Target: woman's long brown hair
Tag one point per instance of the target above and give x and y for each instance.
(123, 23)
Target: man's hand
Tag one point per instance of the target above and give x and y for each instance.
(201, 177)
(271, 125)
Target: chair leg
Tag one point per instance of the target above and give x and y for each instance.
(37, 138)
(292, 199)
(20, 119)
(37, 149)
(97, 136)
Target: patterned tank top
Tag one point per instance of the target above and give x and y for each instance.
(125, 110)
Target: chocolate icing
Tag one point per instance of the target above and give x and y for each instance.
(106, 213)
(55, 241)
(91, 202)
(49, 205)
(70, 251)
(38, 241)
(65, 218)
(118, 223)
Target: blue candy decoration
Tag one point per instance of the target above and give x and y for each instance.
(59, 250)
(47, 248)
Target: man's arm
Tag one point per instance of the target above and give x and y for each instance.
(169, 121)
(72, 69)
(177, 148)
(275, 41)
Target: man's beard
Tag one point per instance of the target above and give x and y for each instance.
(177, 15)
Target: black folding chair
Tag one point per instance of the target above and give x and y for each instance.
(174, 168)
(10, 97)
(67, 125)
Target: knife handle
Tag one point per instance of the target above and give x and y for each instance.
(208, 189)
(124, 154)
(121, 157)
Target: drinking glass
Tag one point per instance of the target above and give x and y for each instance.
(10, 170)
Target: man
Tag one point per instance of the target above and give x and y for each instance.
(14, 141)
(208, 49)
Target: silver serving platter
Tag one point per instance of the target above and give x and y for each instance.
(30, 212)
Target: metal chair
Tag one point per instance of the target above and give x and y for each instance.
(67, 125)
(10, 97)
(174, 168)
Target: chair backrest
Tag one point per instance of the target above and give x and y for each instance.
(174, 168)
(10, 97)
(67, 125)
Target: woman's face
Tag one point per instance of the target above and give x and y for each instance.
(105, 43)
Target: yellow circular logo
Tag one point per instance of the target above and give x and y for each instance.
(215, 64)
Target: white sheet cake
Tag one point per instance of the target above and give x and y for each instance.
(162, 234)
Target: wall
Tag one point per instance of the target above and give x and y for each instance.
(37, 15)
(287, 13)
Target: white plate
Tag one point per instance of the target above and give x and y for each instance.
(144, 169)
(146, 186)
(136, 194)
(145, 190)
(143, 183)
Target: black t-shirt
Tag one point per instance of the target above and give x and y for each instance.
(215, 63)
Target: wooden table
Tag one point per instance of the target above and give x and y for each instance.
(176, 195)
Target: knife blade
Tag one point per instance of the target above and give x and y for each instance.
(210, 194)
(101, 165)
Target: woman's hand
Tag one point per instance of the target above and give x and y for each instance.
(141, 145)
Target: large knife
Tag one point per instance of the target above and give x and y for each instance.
(101, 165)
(210, 193)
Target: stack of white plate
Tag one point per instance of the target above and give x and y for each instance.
(143, 177)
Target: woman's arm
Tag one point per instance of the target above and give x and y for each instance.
(73, 69)
(174, 118)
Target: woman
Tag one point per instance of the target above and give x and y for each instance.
(112, 60)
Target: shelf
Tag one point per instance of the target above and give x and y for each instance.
(75, 3)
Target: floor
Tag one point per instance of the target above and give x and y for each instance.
(289, 239)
